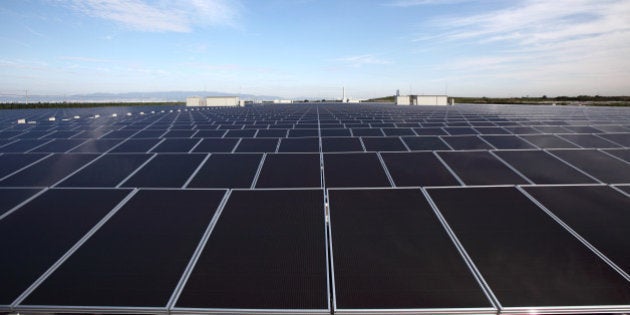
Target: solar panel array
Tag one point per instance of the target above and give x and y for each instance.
(316, 208)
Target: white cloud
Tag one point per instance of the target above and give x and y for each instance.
(163, 16)
(362, 60)
(569, 45)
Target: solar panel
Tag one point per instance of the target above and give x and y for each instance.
(36, 237)
(291, 170)
(599, 214)
(508, 142)
(175, 145)
(548, 141)
(462, 209)
(383, 144)
(542, 168)
(525, 246)
(425, 143)
(619, 138)
(354, 170)
(23, 145)
(108, 171)
(480, 168)
(10, 163)
(418, 169)
(227, 171)
(48, 171)
(590, 141)
(216, 145)
(131, 261)
(466, 143)
(345, 144)
(598, 164)
(96, 146)
(58, 145)
(267, 251)
(9, 198)
(165, 170)
(391, 253)
(135, 146)
(257, 145)
(299, 145)
(623, 154)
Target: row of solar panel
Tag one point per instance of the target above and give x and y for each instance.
(328, 144)
(345, 110)
(192, 251)
(293, 133)
(260, 119)
(277, 170)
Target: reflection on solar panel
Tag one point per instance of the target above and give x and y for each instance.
(316, 208)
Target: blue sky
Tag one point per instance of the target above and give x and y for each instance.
(311, 48)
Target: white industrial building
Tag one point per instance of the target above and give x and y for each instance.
(434, 100)
(223, 101)
(195, 101)
(213, 101)
(283, 101)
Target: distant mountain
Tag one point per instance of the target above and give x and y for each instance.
(170, 96)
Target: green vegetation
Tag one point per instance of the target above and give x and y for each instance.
(81, 105)
(544, 100)
(385, 99)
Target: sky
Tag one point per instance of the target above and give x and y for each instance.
(313, 48)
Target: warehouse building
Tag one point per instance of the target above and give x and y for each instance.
(223, 101)
(195, 101)
(433, 100)
(213, 101)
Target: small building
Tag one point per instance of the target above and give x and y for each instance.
(213, 101)
(403, 100)
(195, 101)
(283, 101)
(426, 100)
(222, 101)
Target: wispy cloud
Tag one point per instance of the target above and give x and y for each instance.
(163, 16)
(86, 59)
(363, 60)
(538, 21)
(413, 3)
(34, 32)
(567, 42)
